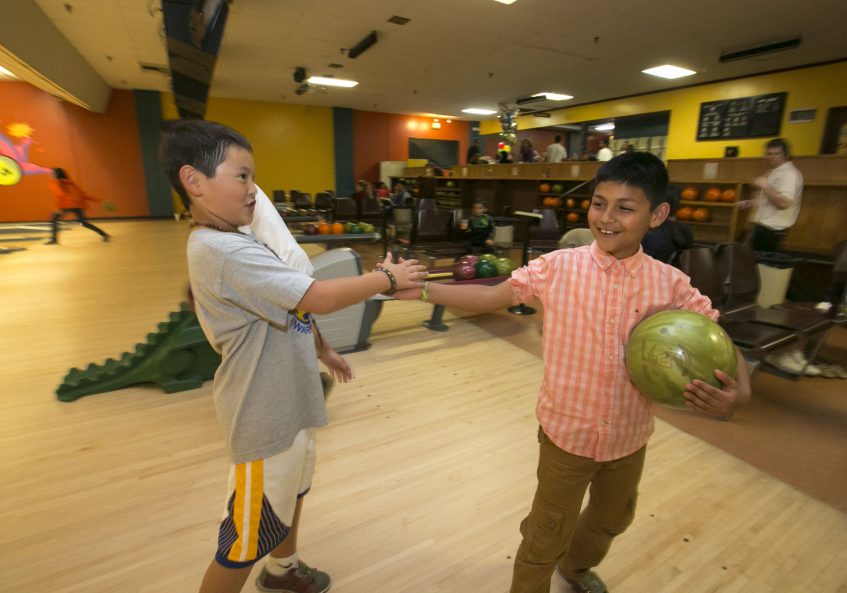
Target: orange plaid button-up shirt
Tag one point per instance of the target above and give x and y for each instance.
(587, 405)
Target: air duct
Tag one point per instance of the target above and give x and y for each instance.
(760, 50)
(360, 47)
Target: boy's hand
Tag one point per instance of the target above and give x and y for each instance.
(338, 367)
(410, 294)
(715, 401)
(407, 272)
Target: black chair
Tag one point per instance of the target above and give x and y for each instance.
(344, 209)
(700, 264)
(429, 236)
(427, 204)
(302, 200)
(370, 210)
(323, 201)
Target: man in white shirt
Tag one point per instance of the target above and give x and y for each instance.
(605, 153)
(781, 191)
(556, 153)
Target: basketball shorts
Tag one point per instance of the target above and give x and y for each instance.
(261, 499)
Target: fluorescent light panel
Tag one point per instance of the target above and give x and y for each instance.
(553, 96)
(505, 1)
(605, 127)
(668, 71)
(4, 72)
(332, 81)
(477, 111)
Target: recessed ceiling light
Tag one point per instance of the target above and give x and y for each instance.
(477, 111)
(605, 127)
(668, 71)
(332, 81)
(553, 96)
(505, 1)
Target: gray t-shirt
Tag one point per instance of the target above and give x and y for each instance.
(267, 387)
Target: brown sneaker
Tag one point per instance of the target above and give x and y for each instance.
(587, 583)
(302, 579)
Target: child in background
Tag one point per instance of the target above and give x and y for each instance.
(256, 311)
(479, 229)
(70, 198)
(593, 422)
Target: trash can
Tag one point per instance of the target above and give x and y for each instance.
(504, 231)
(775, 271)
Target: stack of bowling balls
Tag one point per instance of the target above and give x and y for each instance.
(486, 265)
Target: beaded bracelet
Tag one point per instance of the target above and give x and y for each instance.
(393, 288)
(425, 292)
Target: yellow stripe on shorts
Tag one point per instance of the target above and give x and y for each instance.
(247, 509)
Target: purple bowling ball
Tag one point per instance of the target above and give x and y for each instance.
(463, 270)
(471, 259)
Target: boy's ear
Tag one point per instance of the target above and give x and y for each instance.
(659, 215)
(191, 180)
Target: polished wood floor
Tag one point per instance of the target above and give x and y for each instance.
(423, 475)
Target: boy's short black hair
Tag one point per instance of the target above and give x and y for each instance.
(59, 173)
(479, 201)
(201, 144)
(641, 170)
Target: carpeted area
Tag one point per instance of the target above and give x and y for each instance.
(795, 431)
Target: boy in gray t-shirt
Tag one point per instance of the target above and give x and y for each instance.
(256, 312)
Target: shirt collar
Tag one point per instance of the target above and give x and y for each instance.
(604, 261)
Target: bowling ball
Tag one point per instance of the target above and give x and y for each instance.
(463, 270)
(504, 266)
(667, 350)
(486, 269)
(311, 229)
(570, 203)
(713, 194)
(728, 195)
(544, 188)
(450, 183)
(585, 204)
(354, 229)
(471, 259)
(699, 214)
(324, 228)
(684, 213)
(557, 188)
(690, 193)
(572, 217)
(338, 228)
(489, 257)
(367, 227)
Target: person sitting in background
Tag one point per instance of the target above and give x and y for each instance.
(672, 236)
(505, 158)
(363, 192)
(401, 196)
(382, 190)
(528, 153)
(479, 229)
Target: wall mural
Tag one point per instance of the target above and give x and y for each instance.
(14, 158)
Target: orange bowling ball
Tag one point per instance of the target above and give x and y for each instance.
(572, 217)
(713, 194)
(338, 228)
(700, 214)
(570, 203)
(690, 193)
(728, 195)
(585, 204)
(684, 213)
(324, 228)
(544, 188)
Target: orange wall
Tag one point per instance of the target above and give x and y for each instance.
(385, 137)
(100, 151)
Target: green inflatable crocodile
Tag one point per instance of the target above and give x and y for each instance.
(177, 357)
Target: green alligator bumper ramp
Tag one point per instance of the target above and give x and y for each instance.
(177, 357)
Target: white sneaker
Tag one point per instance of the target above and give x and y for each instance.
(812, 371)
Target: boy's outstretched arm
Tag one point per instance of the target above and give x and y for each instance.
(327, 296)
(472, 297)
(723, 401)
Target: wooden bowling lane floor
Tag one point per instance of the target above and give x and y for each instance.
(423, 475)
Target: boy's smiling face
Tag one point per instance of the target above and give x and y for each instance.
(619, 217)
(228, 198)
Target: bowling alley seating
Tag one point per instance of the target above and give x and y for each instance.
(301, 200)
(344, 209)
(370, 210)
(323, 201)
(429, 236)
(700, 265)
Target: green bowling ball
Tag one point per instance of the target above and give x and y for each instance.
(489, 257)
(354, 229)
(504, 266)
(485, 269)
(367, 227)
(669, 349)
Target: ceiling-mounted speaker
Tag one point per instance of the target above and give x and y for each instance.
(299, 74)
(360, 47)
(760, 50)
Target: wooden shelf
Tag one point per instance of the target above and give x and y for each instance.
(706, 204)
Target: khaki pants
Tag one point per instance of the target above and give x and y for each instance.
(555, 533)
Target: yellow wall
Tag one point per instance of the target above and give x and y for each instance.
(292, 144)
(818, 87)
